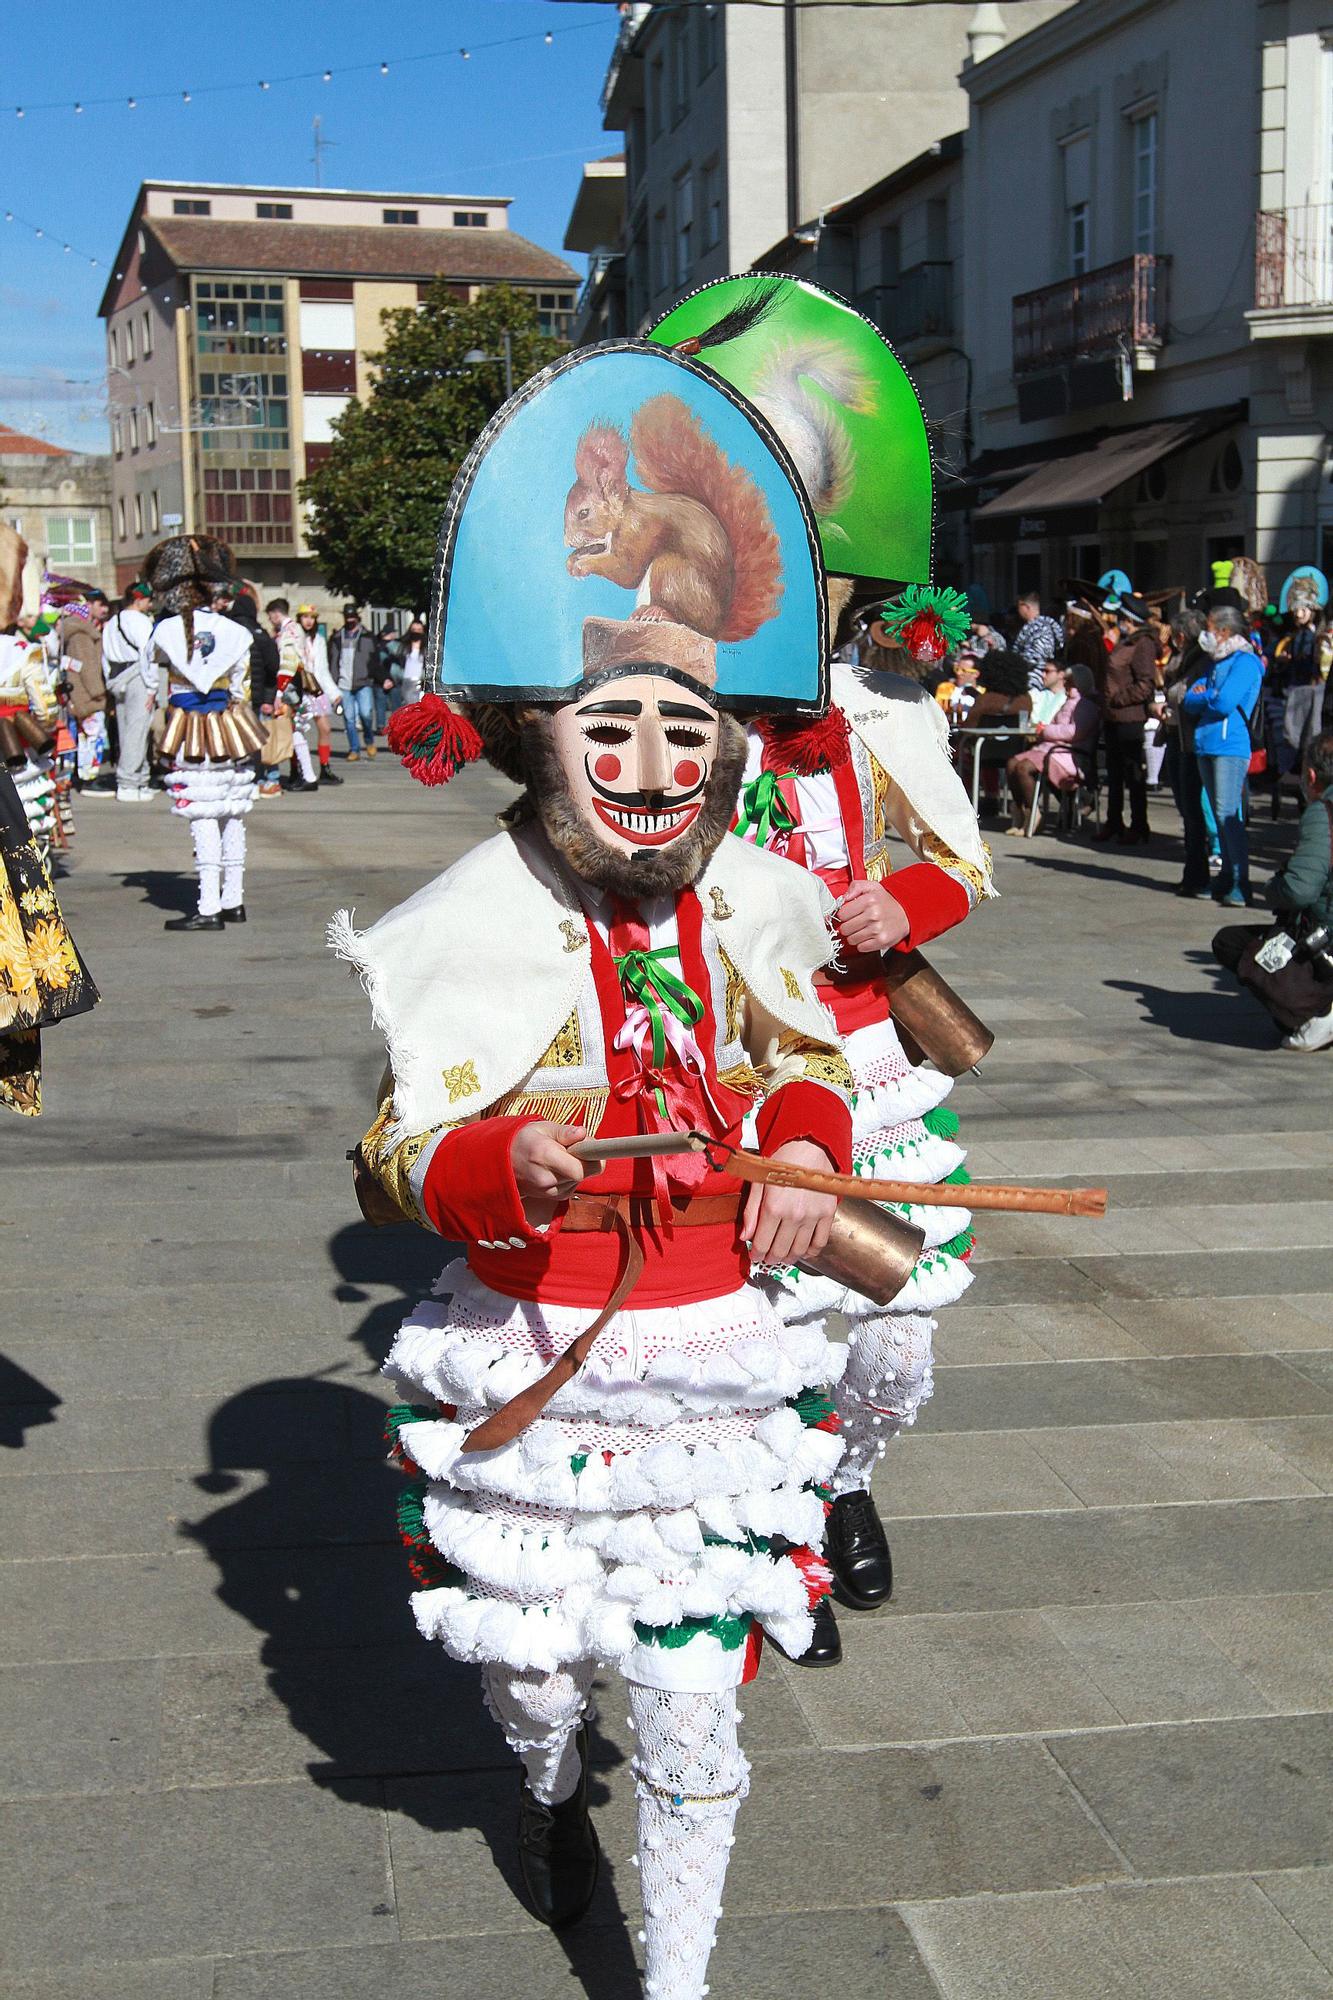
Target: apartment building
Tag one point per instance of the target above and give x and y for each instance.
(60, 502)
(238, 325)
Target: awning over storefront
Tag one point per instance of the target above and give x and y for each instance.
(1063, 494)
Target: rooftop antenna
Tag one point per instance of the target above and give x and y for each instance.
(321, 147)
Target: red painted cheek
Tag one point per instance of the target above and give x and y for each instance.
(687, 773)
(607, 768)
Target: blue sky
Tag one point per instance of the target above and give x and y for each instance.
(514, 121)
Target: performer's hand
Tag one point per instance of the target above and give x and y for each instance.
(787, 1225)
(870, 919)
(545, 1171)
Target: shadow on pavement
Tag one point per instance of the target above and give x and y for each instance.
(1223, 1014)
(310, 1558)
(24, 1404)
(173, 891)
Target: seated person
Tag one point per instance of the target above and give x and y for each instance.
(1304, 890)
(1072, 730)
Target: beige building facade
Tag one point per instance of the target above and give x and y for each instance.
(239, 323)
(60, 502)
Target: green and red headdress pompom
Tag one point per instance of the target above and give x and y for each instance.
(432, 740)
(927, 623)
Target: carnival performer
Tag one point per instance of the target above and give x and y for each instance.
(830, 795)
(212, 732)
(29, 715)
(125, 638)
(620, 1457)
(303, 671)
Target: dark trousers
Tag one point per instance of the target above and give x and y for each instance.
(1125, 772)
(1183, 776)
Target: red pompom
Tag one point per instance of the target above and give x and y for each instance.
(432, 740)
(924, 639)
(815, 1572)
(809, 747)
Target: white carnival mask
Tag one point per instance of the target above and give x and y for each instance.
(636, 754)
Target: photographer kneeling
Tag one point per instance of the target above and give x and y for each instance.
(1289, 966)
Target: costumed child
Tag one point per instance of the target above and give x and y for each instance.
(618, 1453)
(828, 795)
(212, 732)
(308, 690)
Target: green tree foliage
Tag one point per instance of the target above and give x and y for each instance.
(379, 497)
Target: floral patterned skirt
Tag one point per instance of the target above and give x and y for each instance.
(42, 977)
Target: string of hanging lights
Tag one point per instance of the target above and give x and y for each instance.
(52, 237)
(324, 74)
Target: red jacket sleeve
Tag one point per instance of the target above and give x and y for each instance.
(932, 900)
(470, 1194)
(807, 1111)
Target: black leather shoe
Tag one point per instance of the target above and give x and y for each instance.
(557, 1851)
(825, 1648)
(856, 1549)
(194, 923)
(328, 776)
(236, 915)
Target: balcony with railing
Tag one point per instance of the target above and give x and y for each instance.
(917, 306)
(1116, 309)
(1293, 271)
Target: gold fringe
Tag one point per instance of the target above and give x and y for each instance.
(744, 1077)
(562, 1107)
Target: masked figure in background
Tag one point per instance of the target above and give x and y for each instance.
(613, 964)
(308, 690)
(828, 795)
(42, 977)
(212, 732)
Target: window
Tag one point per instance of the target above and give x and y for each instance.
(112, 351)
(150, 423)
(120, 518)
(1076, 167)
(183, 207)
(154, 511)
(400, 215)
(16, 523)
(709, 25)
(712, 205)
(890, 253)
(328, 325)
(662, 252)
(117, 440)
(937, 230)
(680, 72)
(129, 340)
(655, 89)
(273, 211)
(146, 333)
(70, 541)
(138, 514)
(471, 218)
(683, 227)
(319, 413)
(1078, 239)
(1144, 129)
(134, 429)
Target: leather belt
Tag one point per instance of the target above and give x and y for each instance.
(626, 1215)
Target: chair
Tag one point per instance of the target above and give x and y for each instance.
(1074, 799)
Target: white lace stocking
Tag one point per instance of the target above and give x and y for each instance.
(889, 1375)
(233, 862)
(539, 1714)
(690, 1779)
(206, 833)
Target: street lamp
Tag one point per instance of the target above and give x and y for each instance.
(476, 355)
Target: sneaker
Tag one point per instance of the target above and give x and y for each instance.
(354, 756)
(1017, 832)
(130, 795)
(1315, 1034)
(371, 751)
(270, 791)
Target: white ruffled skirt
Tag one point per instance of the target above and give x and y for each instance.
(643, 1519)
(216, 788)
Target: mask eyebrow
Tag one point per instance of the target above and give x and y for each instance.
(682, 710)
(613, 708)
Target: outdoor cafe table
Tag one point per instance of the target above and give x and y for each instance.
(999, 732)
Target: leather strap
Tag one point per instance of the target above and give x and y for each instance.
(600, 1211)
(513, 1417)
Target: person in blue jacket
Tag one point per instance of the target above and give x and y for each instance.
(1220, 707)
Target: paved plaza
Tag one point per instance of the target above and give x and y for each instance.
(1084, 1755)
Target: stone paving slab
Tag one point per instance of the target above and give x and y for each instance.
(1185, 1941)
(1305, 1898)
(1208, 1797)
(1283, 1645)
(1131, 1391)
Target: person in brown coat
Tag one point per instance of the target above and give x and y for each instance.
(79, 635)
(1126, 679)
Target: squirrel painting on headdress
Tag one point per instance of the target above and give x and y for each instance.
(699, 540)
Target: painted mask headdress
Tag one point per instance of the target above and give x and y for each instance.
(1306, 586)
(837, 395)
(627, 535)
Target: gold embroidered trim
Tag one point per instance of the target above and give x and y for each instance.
(575, 939)
(744, 1077)
(792, 984)
(721, 907)
(392, 1165)
(821, 1065)
(734, 1005)
(944, 857)
(566, 1051)
(562, 1107)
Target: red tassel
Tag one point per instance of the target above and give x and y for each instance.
(924, 639)
(432, 740)
(808, 747)
(815, 1571)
